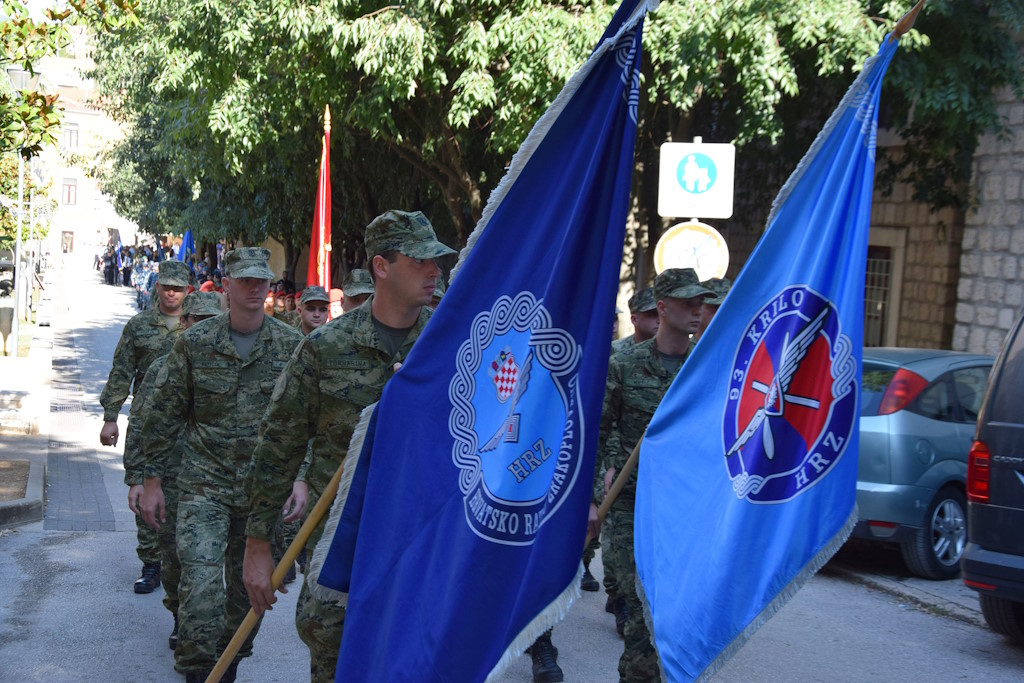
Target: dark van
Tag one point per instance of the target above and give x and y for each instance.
(993, 562)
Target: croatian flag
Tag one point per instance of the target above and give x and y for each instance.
(747, 476)
(461, 516)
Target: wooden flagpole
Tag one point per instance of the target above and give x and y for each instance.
(906, 22)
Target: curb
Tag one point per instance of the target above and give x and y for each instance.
(918, 598)
(30, 508)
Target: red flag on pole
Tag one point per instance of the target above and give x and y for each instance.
(318, 271)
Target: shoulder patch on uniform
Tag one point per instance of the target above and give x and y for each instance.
(347, 364)
(161, 377)
(278, 365)
(280, 386)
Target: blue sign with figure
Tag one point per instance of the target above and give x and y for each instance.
(696, 173)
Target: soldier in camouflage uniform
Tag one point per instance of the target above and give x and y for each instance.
(197, 306)
(211, 393)
(721, 287)
(145, 337)
(314, 304)
(357, 288)
(338, 370)
(643, 313)
(637, 381)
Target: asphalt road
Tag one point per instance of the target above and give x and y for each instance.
(68, 613)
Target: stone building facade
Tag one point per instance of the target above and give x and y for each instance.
(990, 295)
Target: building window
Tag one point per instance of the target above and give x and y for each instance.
(70, 136)
(877, 286)
(883, 286)
(70, 194)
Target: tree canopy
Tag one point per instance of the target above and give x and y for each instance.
(430, 99)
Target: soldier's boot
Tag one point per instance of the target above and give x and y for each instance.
(150, 578)
(172, 640)
(609, 604)
(621, 612)
(588, 582)
(545, 661)
(230, 673)
(290, 576)
(301, 559)
(197, 676)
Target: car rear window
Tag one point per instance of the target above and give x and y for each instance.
(1006, 398)
(875, 379)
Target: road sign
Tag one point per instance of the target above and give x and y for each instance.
(692, 245)
(696, 179)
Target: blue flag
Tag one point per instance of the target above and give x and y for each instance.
(187, 251)
(460, 535)
(120, 261)
(747, 476)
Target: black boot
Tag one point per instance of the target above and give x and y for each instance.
(301, 559)
(621, 613)
(290, 576)
(172, 640)
(150, 578)
(230, 673)
(588, 582)
(197, 676)
(545, 661)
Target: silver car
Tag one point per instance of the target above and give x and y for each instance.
(917, 419)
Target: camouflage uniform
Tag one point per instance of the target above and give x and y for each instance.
(135, 473)
(620, 345)
(145, 337)
(213, 400)
(135, 460)
(637, 381)
(339, 369)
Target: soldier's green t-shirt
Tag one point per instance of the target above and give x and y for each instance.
(391, 337)
(244, 341)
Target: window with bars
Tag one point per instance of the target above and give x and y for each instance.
(877, 290)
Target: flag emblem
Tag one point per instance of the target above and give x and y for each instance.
(504, 371)
(517, 457)
(792, 398)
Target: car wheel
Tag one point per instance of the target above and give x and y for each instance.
(934, 551)
(1004, 616)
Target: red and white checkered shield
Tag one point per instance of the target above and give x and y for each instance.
(504, 372)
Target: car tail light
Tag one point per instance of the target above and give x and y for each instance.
(977, 473)
(903, 388)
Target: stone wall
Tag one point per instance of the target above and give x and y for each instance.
(990, 295)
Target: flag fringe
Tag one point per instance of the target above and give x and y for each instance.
(820, 559)
(541, 128)
(555, 612)
(355, 446)
(856, 91)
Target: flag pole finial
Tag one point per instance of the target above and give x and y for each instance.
(906, 22)
(327, 116)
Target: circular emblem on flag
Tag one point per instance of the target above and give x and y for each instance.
(515, 419)
(792, 398)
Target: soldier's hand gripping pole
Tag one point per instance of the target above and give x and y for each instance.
(616, 488)
(305, 531)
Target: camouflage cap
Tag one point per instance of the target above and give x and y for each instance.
(248, 262)
(642, 301)
(720, 287)
(407, 233)
(201, 303)
(678, 283)
(439, 288)
(358, 281)
(314, 293)
(173, 274)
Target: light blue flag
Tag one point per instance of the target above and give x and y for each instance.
(461, 516)
(747, 477)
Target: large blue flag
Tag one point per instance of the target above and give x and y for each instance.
(747, 478)
(460, 527)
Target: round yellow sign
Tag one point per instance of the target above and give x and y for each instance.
(693, 245)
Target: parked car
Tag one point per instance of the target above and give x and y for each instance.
(918, 409)
(993, 562)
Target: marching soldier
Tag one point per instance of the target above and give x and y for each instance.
(637, 381)
(197, 307)
(212, 391)
(145, 337)
(338, 370)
